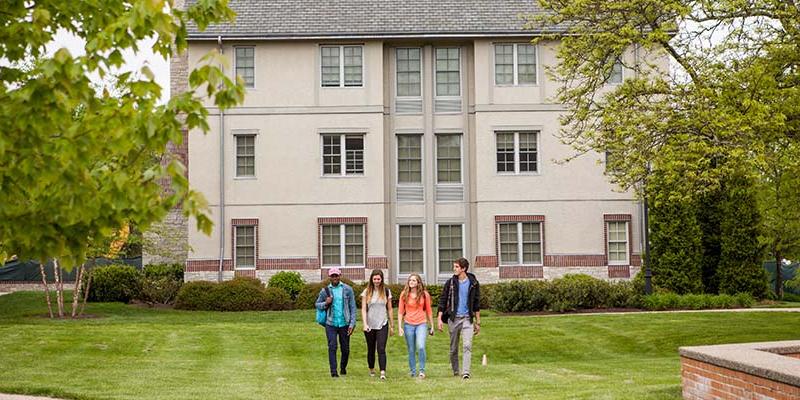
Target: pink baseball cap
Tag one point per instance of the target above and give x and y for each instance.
(334, 271)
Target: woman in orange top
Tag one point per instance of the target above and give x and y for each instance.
(414, 308)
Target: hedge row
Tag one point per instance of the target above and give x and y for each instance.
(157, 283)
(238, 294)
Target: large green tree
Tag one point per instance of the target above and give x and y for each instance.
(75, 164)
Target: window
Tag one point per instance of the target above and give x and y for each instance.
(245, 155)
(342, 150)
(342, 245)
(410, 249)
(245, 246)
(409, 159)
(450, 242)
(618, 242)
(409, 72)
(245, 65)
(517, 152)
(615, 78)
(448, 72)
(514, 64)
(448, 158)
(520, 243)
(342, 66)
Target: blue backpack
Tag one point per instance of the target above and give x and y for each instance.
(322, 315)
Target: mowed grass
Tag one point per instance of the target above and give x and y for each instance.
(137, 353)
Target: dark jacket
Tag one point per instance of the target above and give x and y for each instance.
(449, 298)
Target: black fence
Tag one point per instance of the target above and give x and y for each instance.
(28, 271)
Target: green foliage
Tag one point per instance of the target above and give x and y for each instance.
(159, 290)
(276, 299)
(708, 216)
(170, 271)
(673, 301)
(308, 295)
(794, 283)
(578, 291)
(238, 294)
(488, 291)
(289, 281)
(77, 164)
(197, 295)
(522, 296)
(116, 282)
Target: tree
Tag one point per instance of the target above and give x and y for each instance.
(74, 164)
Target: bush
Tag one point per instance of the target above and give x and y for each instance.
(522, 296)
(196, 296)
(158, 271)
(623, 294)
(162, 290)
(289, 281)
(487, 291)
(661, 301)
(240, 294)
(579, 291)
(276, 299)
(308, 295)
(672, 301)
(114, 282)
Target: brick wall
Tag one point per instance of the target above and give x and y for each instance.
(703, 381)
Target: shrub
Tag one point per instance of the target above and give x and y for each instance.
(661, 301)
(672, 301)
(276, 299)
(308, 295)
(676, 250)
(487, 291)
(579, 291)
(289, 281)
(239, 294)
(622, 294)
(196, 296)
(114, 282)
(162, 290)
(521, 296)
(157, 271)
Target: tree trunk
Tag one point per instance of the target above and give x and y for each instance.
(76, 293)
(778, 274)
(59, 288)
(86, 291)
(46, 290)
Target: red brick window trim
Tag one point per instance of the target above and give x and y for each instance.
(347, 241)
(244, 223)
(615, 219)
(519, 222)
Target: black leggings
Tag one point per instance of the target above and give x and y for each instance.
(377, 339)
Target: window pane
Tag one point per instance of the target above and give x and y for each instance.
(352, 65)
(410, 248)
(330, 66)
(245, 65)
(409, 159)
(354, 245)
(526, 64)
(505, 152)
(618, 241)
(245, 155)
(449, 247)
(527, 152)
(448, 158)
(448, 72)
(408, 72)
(616, 73)
(531, 243)
(331, 250)
(245, 247)
(508, 244)
(354, 147)
(504, 64)
(331, 154)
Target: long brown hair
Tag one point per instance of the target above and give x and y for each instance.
(421, 292)
(371, 286)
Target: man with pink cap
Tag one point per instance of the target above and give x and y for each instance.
(339, 303)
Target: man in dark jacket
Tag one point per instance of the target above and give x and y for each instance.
(460, 306)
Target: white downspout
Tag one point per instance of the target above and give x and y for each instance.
(222, 225)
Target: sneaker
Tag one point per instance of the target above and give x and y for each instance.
(413, 374)
(465, 377)
(421, 375)
(372, 374)
(334, 375)
(455, 373)
(344, 371)
(383, 376)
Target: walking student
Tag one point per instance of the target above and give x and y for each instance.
(414, 308)
(340, 305)
(459, 308)
(376, 314)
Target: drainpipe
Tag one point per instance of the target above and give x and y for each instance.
(221, 177)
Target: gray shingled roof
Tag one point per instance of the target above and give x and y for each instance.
(364, 18)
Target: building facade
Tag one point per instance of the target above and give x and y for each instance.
(399, 137)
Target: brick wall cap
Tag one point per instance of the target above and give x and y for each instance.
(762, 359)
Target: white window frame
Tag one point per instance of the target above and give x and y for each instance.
(520, 256)
(400, 275)
(627, 243)
(397, 159)
(516, 132)
(341, 66)
(255, 246)
(342, 247)
(460, 74)
(342, 154)
(235, 146)
(463, 247)
(515, 66)
(235, 62)
(397, 81)
(460, 161)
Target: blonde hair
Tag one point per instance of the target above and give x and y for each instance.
(371, 286)
(421, 292)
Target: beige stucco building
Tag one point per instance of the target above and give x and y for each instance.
(397, 137)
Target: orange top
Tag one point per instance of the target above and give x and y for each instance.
(414, 310)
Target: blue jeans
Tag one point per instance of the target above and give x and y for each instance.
(344, 340)
(415, 341)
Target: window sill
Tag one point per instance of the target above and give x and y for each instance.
(244, 268)
(245, 178)
(526, 85)
(518, 174)
(351, 176)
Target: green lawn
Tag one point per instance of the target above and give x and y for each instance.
(136, 353)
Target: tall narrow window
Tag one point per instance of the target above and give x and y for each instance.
(517, 152)
(245, 246)
(617, 242)
(409, 159)
(514, 64)
(342, 245)
(342, 66)
(245, 65)
(448, 158)
(409, 76)
(410, 249)
(520, 243)
(615, 78)
(448, 72)
(340, 150)
(245, 156)
(450, 246)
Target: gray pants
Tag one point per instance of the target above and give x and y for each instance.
(461, 327)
